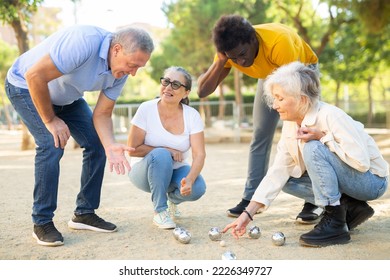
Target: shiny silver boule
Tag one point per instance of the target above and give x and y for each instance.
(278, 238)
(228, 255)
(215, 234)
(254, 232)
(176, 232)
(184, 237)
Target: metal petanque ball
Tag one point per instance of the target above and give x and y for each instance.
(254, 232)
(278, 238)
(228, 255)
(184, 237)
(176, 232)
(215, 234)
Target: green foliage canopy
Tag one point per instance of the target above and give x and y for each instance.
(11, 10)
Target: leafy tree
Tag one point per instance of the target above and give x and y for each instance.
(189, 43)
(17, 13)
(7, 55)
(374, 51)
(375, 14)
(349, 36)
(355, 59)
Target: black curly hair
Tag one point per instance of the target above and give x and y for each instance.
(232, 30)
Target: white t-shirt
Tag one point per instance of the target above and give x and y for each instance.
(148, 119)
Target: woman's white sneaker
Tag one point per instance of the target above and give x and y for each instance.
(163, 220)
(173, 209)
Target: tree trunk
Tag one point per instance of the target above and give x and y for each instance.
(221, 109)
(385, 102)
(21, 33)
(238, 96)
(370, 103)
(337, 94)
(6, 112)
(28, 142)
(205, 112)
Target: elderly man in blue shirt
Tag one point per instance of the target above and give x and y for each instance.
(46, 87)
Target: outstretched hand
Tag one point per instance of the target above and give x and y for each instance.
(117, 159)
(238, 226)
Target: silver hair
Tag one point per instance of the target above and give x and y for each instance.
(133, 39)
(297, 80)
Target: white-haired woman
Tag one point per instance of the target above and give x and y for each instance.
(324, 157)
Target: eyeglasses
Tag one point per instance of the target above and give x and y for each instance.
(175, 84)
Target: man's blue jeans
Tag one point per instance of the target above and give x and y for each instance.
(155, 174)
(328, 177)
(265, 120)
(78, 117)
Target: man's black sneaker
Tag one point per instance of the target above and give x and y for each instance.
(236, 211)
(92, 222)
(48, 235)
(309, 214)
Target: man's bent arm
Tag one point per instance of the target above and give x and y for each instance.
(209, 81)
